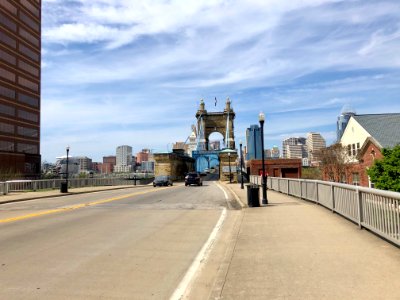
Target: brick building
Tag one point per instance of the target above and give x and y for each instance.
(285, 168)
(20, 58)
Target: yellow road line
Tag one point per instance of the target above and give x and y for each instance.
(77, 206)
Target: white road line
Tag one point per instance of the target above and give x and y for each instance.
(184, 286)
(226, 195)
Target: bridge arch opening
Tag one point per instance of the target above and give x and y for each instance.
(216, 141)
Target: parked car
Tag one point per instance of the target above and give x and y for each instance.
(162, 181)
(193, 178)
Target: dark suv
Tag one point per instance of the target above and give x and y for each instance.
(193, 178)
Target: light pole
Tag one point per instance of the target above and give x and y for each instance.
(261, 118)
(241, 166)
(66, 176)
(230, 175)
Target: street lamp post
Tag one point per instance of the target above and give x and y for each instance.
(66, 176)
(230, 175)
(241, 166)
(261, 118)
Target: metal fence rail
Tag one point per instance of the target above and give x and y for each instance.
(376, 210)
(34, 185)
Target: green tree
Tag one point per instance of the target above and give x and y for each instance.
(385, 172)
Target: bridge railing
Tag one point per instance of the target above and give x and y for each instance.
(376, 210)
(34, 185)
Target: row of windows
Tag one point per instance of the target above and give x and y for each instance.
(29, 84)
(23, 17)
(29, 21)
(8, 75)
(5, 56)
(6, 92)
(29, 116)
(7, 22)
(23, 131)
(23, 98)
(6, 39)
(21, 147)
(8, 6)
(29, 37)
(23, 114)
(32, 8)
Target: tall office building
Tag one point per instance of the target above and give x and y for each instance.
(124, 159)
(20, 44)
(315, 142)
(253, 140)
(345, 115)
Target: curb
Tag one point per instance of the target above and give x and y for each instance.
(65, 194)
(237, 198)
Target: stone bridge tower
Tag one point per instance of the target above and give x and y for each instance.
(210, 122)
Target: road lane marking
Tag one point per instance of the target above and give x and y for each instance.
(77, 206)
(226, 195)
(184, 286)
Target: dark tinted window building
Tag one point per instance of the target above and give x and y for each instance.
(20, 44)
(253, 140)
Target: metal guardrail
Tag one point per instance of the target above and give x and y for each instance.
(34, 185)
(376, 210)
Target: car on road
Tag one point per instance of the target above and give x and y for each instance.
(193, 178)
(163, 180)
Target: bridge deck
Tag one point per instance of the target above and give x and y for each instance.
(294, 249)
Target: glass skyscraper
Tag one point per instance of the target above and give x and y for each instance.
(253, 140)
(20, 56)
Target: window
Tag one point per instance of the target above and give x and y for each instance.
(6, 146)
(31, 8)
(29, 68)
(28, 132)
(6, 128)
(7, 110)
(7, 5)
(27, 148)
(6, 39)
(349, 150)
(28, 52)
(33, 117)
(6, 92)
(8, 58)
(30, 100)
(7, 22)
(354, 149)
(29, 37)
(356, 179)
(8, 75)
(29, 84)
(29, 21)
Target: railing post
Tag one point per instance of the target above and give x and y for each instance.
(333, 197)
(301, 189)
(288, 188)
(360, 208)
(316, 193)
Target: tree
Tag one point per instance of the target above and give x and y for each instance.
(385, 173)
(333, 162)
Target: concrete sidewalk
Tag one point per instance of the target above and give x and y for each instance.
(294, 249)
(24, 196)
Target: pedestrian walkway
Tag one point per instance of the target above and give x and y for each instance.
(22, 196)
(294, 249)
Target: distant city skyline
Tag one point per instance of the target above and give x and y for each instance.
(127, 73)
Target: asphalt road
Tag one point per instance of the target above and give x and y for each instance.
(124, 244)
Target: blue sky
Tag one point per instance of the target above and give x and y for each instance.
(120, 72)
